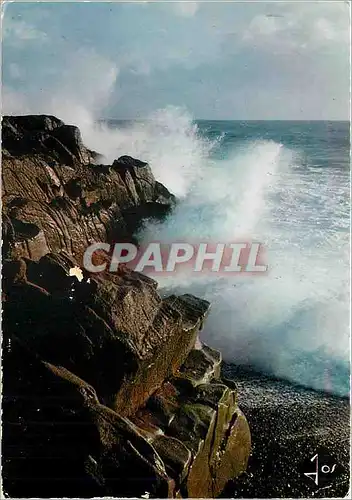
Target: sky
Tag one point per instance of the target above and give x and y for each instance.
(247, 60)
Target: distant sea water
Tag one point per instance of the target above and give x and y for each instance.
(285, 184)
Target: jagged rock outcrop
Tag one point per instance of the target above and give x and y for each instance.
(119, 323)
(108, 390)
(197, 428)
(55, 196)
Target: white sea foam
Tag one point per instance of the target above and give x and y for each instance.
(292, 323)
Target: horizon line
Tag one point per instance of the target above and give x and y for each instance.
(347, 120)
(243, 119)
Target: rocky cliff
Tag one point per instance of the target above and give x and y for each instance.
(107, 389)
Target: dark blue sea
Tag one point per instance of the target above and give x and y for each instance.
(285, 184)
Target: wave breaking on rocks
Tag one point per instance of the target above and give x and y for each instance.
(107, 389)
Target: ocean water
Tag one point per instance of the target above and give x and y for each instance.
(285, 184)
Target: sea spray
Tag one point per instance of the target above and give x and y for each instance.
(292, 323)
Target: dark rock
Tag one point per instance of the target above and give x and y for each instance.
(61, 437)
(126, 162)
(8, 234)
(176, 455)
(107, 390)
(33, 134)
(201, 366)
(19, 132)
(162, 350)
(71, 138)
(207, 422)
(31, 123)
(76, 206)
(120, 324)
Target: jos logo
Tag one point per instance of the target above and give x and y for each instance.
(321, 468)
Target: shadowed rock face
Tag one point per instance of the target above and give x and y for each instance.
(107, 388)
(59, 440)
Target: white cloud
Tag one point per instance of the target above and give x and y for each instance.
(261, 25)
(13, 103)
(286, 47)
(324, 29)
(135, 62)
(87, 82)
(301, 25)
(82, 90)
(186, 9)
(15, 71)
(142, 68)
(19, 31)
